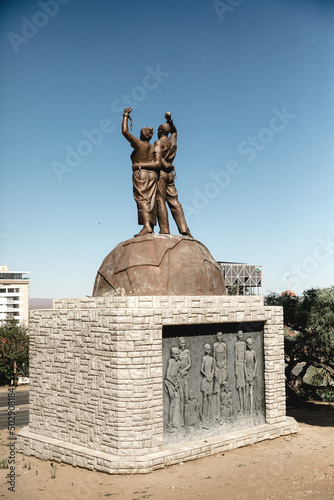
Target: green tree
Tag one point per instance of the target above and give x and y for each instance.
(309, 332)
(14, 346)
(233, 289)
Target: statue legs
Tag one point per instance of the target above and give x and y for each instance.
(178, 215)
(144, 193)
(167, 192)
(162, 213)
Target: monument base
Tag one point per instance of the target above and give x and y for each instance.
(98, 395)
(79, 456)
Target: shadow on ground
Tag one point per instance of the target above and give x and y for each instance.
(312, 413)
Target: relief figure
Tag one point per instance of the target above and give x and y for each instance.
(240, 354)
(185, 364)
(226, 403)
(250, 371)
(192, 410)
(207, 370)
(172, 386)
(219, 356)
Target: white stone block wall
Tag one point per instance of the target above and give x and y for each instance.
(96, 366)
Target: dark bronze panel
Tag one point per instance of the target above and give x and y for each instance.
(213, 380)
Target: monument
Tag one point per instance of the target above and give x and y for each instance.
(160, 365)
(149, 264)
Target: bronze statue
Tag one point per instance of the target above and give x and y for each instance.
(146, 162)
(165, 264)
(166, 191)
(153, 176)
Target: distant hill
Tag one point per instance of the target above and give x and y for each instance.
(40, 303)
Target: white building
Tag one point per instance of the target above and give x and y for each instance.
(245, 279)
(14, 295)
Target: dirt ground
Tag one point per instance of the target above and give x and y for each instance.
(298, 467)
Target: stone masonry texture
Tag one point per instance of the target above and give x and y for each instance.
(96, 374)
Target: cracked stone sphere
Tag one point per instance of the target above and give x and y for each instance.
(159, 264)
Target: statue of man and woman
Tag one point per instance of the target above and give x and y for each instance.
(153, 176)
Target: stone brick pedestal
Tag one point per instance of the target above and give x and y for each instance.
(96, 380)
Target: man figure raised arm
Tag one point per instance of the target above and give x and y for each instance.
(166, 185)
(146, 162)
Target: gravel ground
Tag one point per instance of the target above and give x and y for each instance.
(298, 467)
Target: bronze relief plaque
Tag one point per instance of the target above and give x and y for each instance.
(213, 379)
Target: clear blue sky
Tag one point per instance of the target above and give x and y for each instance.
(250, 87)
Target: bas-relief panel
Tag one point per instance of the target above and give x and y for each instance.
(213, 381)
